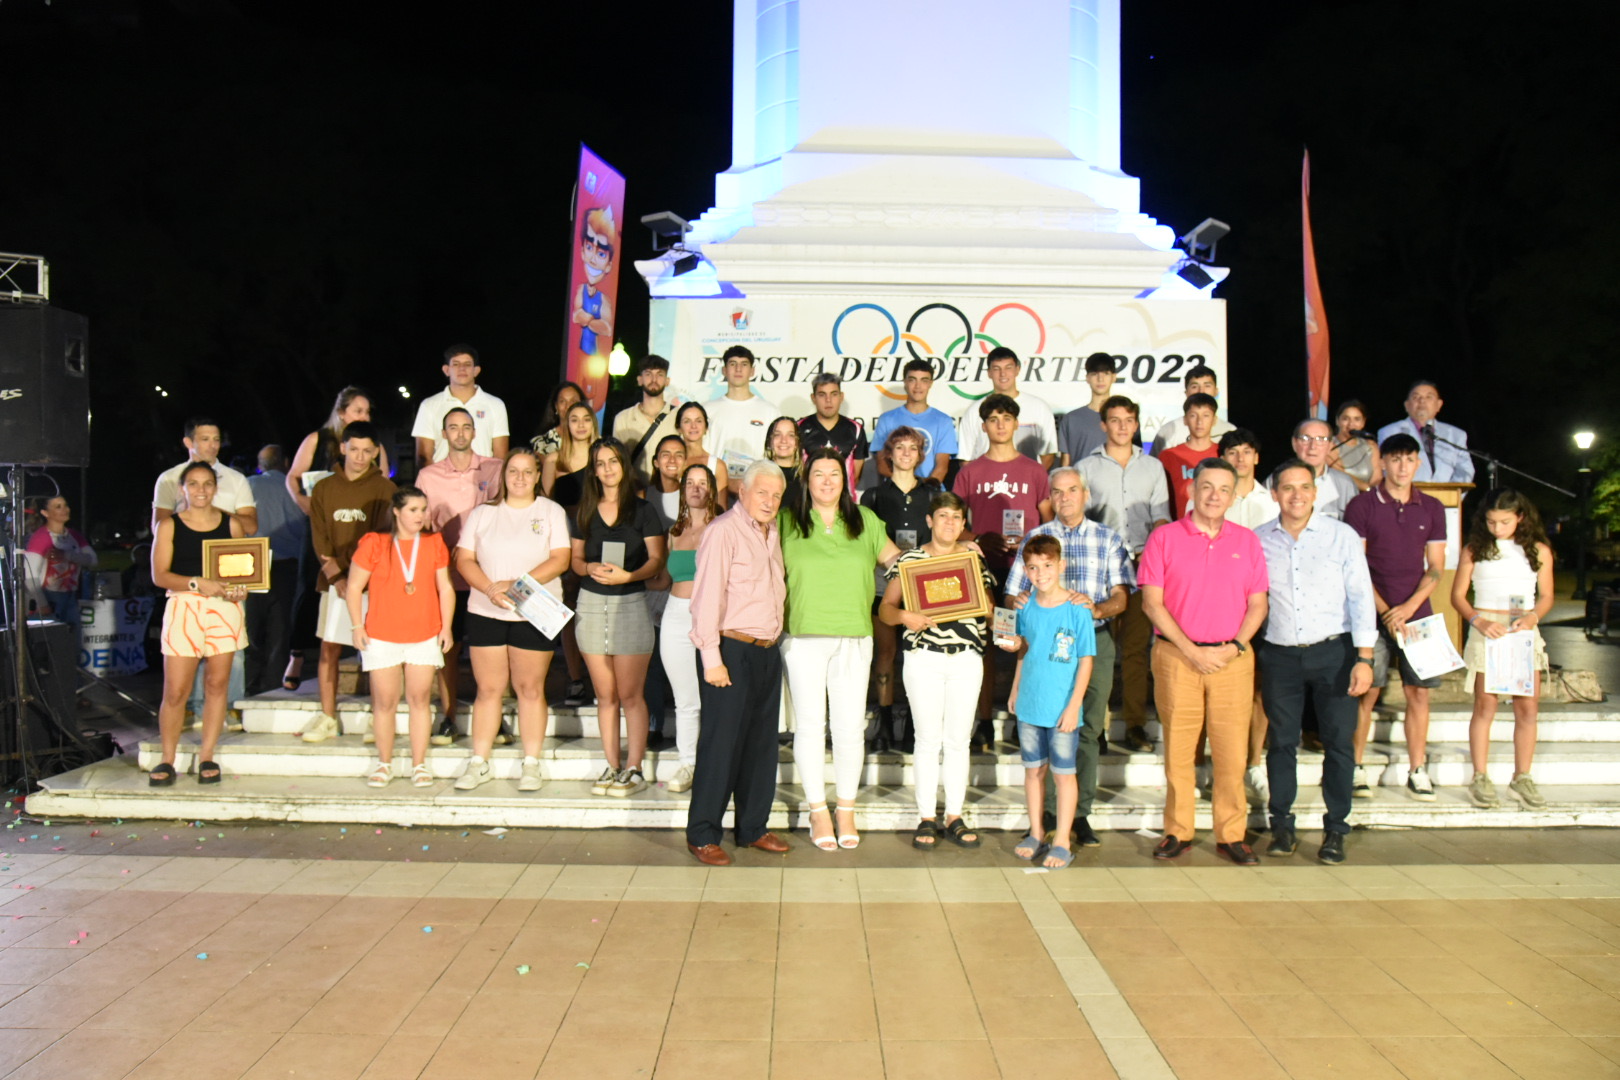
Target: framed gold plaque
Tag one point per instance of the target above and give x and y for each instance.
(945, 588)
(243, 562)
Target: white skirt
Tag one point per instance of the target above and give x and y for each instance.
(386, 654)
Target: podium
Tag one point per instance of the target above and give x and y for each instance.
(1451, 497)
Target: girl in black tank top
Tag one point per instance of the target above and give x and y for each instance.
(188, 545)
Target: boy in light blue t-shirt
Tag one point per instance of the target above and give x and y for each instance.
(1055, 645)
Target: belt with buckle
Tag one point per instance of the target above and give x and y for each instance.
(749, 639)
(1310, 644)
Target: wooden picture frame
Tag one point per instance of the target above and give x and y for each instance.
(244, 562)
(946, 588)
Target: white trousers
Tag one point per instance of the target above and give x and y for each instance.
(943, 691)
(828, 677)
(680, 664)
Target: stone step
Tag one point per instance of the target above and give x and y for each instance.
(117, 789)
(581, 759)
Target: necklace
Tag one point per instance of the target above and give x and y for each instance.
(410, 571)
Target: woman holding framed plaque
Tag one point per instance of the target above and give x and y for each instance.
(202, 621)
(830, 548)
(405, 632)
(520, 532)
(945, 634)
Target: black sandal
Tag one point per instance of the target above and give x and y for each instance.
(206, 767)
(957, 831)
(162, 776)
(926, 838)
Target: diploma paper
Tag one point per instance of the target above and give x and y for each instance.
(535, 603)
(1510, 664)
(1428, 647)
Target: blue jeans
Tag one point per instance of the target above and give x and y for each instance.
(237, 689)
(1039, 745)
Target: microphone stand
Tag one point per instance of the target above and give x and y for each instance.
(1493, 463)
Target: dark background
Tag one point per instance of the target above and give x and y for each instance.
(255, 204)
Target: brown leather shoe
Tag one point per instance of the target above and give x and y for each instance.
(710, 854)
(772, 843)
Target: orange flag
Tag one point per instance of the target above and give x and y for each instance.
(1316, 325)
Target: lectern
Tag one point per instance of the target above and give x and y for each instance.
(1451, 497)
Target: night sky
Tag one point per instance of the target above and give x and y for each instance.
(255, 204)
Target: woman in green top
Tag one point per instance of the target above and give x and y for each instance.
(830, 548)
(698, 508)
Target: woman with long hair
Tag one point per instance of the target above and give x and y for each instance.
(563, 397)
(563, 472)
(692, 424)
(1508, 562)
(698, 508)
(614, 627)
(942, 673)
(1355, 451)
(403, 634)
(202, 621)
(520, 532)
(783, 448)
(830, 548)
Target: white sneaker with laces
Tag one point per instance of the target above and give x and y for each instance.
(627, 783)
(476, 772)
(1361, 786)
(1254, 786)
(605, 780)
(682, 780)
(1525, 788)
(1419, 786)
(530, 780)
(320, 729)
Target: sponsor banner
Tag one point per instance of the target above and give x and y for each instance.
(112, 635)
(868, 342)
(593, 282)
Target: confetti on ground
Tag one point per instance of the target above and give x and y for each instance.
(84, 933)
(523, 969)
(427, 929)
(202, 956)
(496, 831)
(123, 871)
(584, 965)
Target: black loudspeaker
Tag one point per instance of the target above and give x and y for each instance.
(52, 647)
(44, 386)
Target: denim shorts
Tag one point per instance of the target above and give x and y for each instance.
(1041, 745)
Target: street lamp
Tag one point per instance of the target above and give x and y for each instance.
(1583, 443)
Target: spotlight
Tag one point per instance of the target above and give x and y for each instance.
(1200, 242)
(405, 393)
(687, 263)
(1193, 274)
(668, 228)
(1585, 439)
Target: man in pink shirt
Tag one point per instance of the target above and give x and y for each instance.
(738, 595)
(1204, 586)
(455, 485)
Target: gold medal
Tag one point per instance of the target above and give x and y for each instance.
(410, 588)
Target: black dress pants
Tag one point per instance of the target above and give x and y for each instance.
(737, 748)
(1287, 676)
(269, 616)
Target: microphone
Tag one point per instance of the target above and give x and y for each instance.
(1363, 433)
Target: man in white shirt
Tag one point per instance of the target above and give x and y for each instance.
(739, 420)
(488, 411)
(203, 440)
(1173, 432)
(1037, 429)
(1252, 502)
(1334, 489)
(641, 426)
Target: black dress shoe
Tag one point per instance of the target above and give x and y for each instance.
(1170, 847)
(1283, 843)
(1240, 853)
(1083, 835)
(1332, 850)
(1137, 739)
(984, 737)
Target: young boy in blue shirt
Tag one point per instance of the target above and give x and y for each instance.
(1055, 645)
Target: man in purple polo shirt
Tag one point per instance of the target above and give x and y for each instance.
(1405, 534)
(1204, 587)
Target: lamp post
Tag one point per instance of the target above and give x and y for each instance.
(1583, 443)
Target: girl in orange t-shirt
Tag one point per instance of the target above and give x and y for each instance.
(404, 635)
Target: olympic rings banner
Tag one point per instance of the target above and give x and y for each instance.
(867, 342)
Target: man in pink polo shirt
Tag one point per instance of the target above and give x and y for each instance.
(1204, 586)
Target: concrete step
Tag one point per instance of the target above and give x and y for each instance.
(581, 759)
(118, 789)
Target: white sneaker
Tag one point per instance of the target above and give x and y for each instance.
(233, 720)
(1419, 786)
(1254, 786)
(370, 737)
(530, 780)
(604, 781)
(476, 772)
(682, 780)
(320, 729)
(627, 783)
(1525, 788)
(1361, 786)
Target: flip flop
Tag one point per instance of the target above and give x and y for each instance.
(162, 776)
(1060, 853)
(1033, 846)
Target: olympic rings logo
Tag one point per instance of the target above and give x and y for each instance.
(914, 341)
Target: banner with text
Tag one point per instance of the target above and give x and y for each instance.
(867, 343)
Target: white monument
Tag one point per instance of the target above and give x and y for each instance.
(930, 178)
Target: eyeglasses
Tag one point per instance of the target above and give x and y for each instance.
(1308, 439)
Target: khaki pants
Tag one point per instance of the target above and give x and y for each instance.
(1219, 704)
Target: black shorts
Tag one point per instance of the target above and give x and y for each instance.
(458, 619)
(486, 633)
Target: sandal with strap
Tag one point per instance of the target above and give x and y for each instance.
(381, 775)
(825, 843)
(421, 776)
(959, 834)
(162, 776)
(926, 837)
(852, 839)
(209, 772)
(1035, 848)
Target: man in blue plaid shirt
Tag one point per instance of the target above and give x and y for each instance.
(1097, 572)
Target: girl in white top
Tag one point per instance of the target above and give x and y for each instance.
(519, 533)
(1509, 564)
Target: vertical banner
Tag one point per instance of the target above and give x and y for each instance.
(1316, 325)
(593, 280)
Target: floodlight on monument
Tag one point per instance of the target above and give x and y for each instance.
(669, 229)
(1584, 440)
(1200, 242)
(687, 263)
(618, 360)
(1194, 275)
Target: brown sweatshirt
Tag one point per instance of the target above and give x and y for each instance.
(341, 511)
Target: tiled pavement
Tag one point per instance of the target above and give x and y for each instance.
(428, 953)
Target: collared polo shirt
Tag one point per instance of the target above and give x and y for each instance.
(452, 496)
(1398, 535)
(1207, 580)
(489, 420)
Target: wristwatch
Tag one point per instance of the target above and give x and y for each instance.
(1364, 660)
(191, 583)
(1241, 648)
